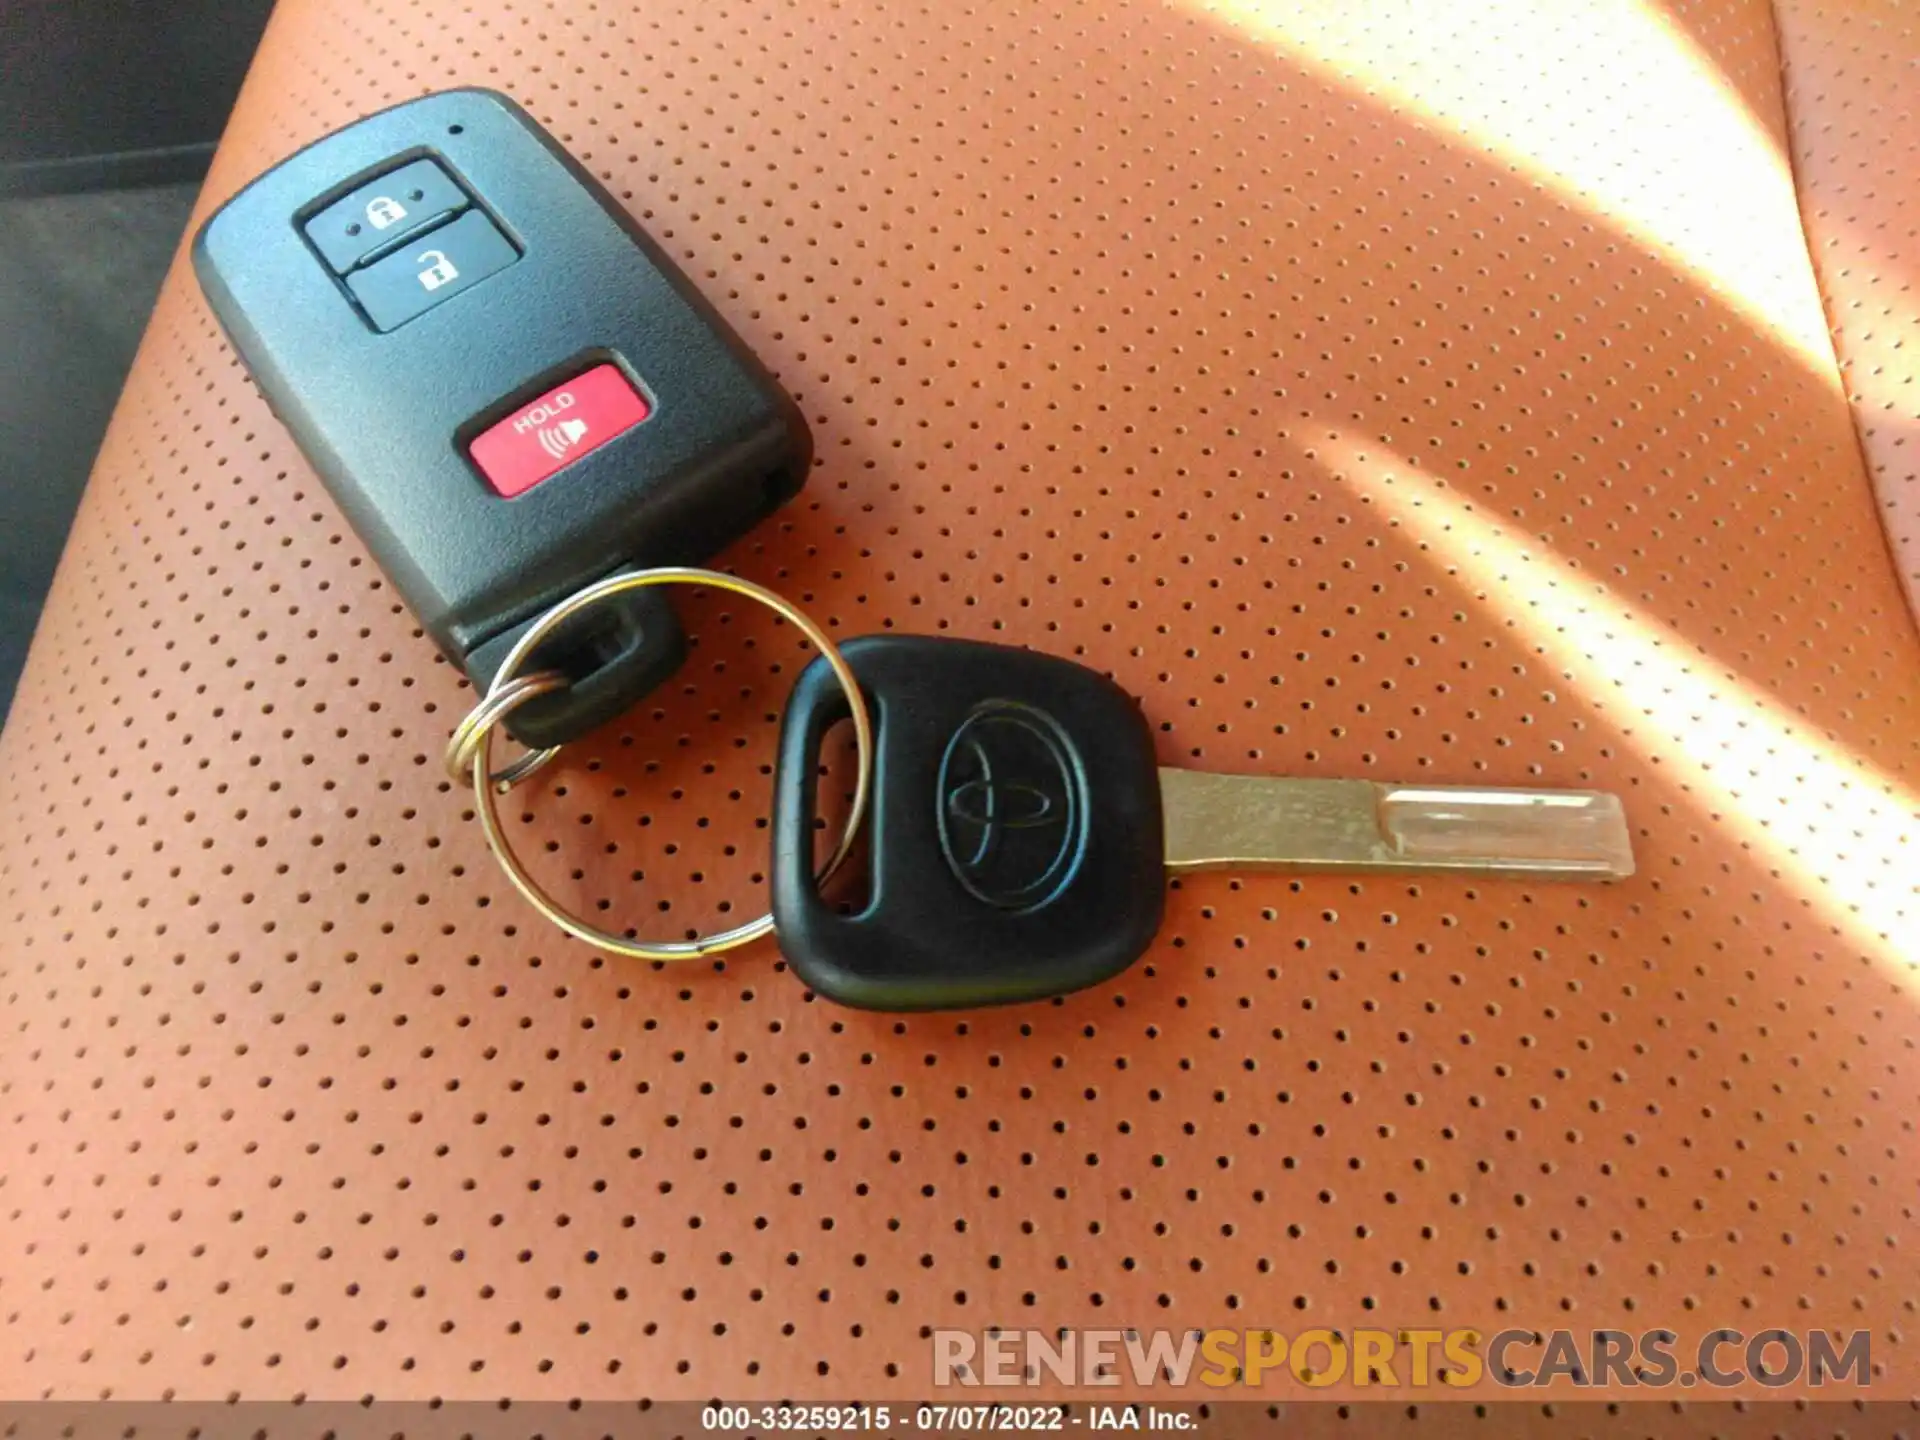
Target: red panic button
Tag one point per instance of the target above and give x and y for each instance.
(557, 429)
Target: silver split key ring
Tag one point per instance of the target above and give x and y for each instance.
(469, 754)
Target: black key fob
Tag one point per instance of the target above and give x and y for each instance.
(1016, 847)
(504, 382)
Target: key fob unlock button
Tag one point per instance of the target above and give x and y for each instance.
(433, 268)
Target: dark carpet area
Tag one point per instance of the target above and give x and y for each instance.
(78, 277)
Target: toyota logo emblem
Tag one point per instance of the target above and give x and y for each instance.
(1011, 806)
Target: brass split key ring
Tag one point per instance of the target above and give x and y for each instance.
(470, 750)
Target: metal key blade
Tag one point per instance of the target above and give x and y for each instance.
(1254, 822)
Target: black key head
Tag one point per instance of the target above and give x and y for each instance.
(1015, 835)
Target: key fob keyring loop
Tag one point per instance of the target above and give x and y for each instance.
(469, 737)
(469, 753)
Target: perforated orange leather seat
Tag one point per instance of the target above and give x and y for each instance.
(1393, 390)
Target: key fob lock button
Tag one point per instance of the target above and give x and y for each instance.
(382, 211)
